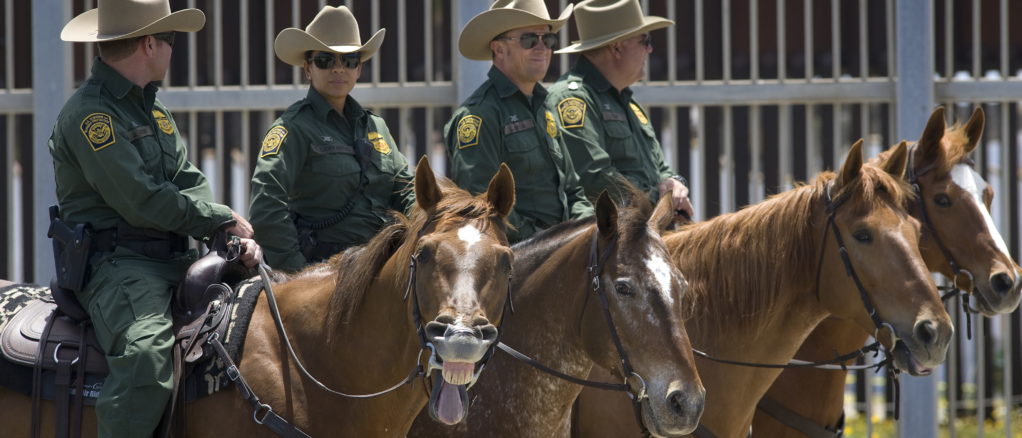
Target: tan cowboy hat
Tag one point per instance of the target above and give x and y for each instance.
(601, 22)
(123, 19)
(504, 15)
(334, 29)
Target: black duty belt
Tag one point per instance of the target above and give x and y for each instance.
(145, 241)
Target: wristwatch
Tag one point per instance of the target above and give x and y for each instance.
(680, 179)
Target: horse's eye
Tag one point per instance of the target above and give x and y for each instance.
(942, 200)
(424, 255)
(863, 236)
(623, 288)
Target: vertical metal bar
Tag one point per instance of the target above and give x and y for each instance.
(427, 27)
(725, 26)
(193, 75)
(868, 385)
(375, 24)
(193, 138)
(981, 373)
(696, 158)
(807, 37)
(406, 144)
(700, 49)
(402, 43)
(891, 65)
(1003, 28)
(241, 165)
(1007, 339)
(562, 60)
(296, 16)
(243, 39)
(727, 168)
(9, 54)
(757, 189)
(914, 98)
(268, 36)
(51, 79)
(753, 40)
(812, 147)
(785, 148)
(672, 49)
(863, 44)
(672, 142)
(89, 48)
(949, 33)
(218, 150)
(218, 47)
(835, 39)
(976, 46)
(836, 139)
(952, 367)
(782, 49)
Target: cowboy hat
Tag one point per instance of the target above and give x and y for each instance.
(334, 29)
(122, 19)
(602, 22)
(504, 15)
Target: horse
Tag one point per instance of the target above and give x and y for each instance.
(559, 322)
(755, 290)
(354, 323)
(952, 198)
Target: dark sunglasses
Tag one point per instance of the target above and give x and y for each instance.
(529, 40)
(167, 37)
(646, 40)
(326, 61)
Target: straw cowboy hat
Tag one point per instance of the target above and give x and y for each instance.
(602, 22)
(504, 15)
(334, 29)
(122, 19)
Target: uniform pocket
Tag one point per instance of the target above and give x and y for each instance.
(332, 159)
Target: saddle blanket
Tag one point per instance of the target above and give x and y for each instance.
(205, 378)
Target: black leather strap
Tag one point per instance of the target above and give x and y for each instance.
(795, 420)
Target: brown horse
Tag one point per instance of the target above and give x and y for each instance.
(560, 323)
(755, 287)
(353, 331)
(950, 191)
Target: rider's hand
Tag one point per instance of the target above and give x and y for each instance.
(241, 227)
(251, 253)
(679, 198)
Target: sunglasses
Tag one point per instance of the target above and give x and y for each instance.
(646, 40)
(529, 40)
(326, 61)
(167, 37)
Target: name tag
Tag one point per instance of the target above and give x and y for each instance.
(333, 148)
(518, 126)
(615, 116)
(139, 132)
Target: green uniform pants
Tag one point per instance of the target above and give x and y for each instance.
(128, 299)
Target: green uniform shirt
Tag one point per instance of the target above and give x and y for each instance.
(307, 166)
(117, 153)
(500, 124)
(608, 134)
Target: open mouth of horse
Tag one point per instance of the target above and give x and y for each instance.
(448, 400)
(906, 361)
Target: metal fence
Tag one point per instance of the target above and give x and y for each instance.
(748, 97)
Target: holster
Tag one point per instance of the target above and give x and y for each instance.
(72, 248)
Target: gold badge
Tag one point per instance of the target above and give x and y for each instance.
(468, 131)
(573, 112)
(551, 125)
(163, 122)
(99, 130)
(638, 113)
(379, 143)
(272, 141)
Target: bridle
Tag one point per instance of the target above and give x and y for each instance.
(595, 267)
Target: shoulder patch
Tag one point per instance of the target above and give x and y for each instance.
(99, 130)
(272, 141)
(638, 113)
(468, 131)
(573, 112)
(163, 122)
(379, 143)
(551, 125)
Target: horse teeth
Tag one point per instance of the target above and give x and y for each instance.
(457, 377)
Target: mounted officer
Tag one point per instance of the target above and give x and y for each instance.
(122, 174)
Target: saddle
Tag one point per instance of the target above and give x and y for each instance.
(57, 335)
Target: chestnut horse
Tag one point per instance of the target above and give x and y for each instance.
(352, 329)
(763, 277)
(955, 199)
(559, 321)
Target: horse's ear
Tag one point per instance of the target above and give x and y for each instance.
(501, 192)
(853, 164)
(897, 161)
(663, 214)
(974, 128)
(427, 192)
(606, 215)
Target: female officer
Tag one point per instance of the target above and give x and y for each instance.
(328, 169)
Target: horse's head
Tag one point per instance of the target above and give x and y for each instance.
(643, 291)
(462, 268)
(883, 270)
(959, 237)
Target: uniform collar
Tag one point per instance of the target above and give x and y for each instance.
(352, 109)
(593, 77)
(506, 88)
(120, 86)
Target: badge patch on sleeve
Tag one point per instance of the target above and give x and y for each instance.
(468, 131)
(379, 143)
(573, 112)
(272, 141)
(163, 122)
(99, 130)
(551, 125)
(638, 113)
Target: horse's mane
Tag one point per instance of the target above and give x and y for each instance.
(738, 264)
(356, 268)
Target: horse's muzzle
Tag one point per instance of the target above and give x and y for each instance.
(457, 343)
